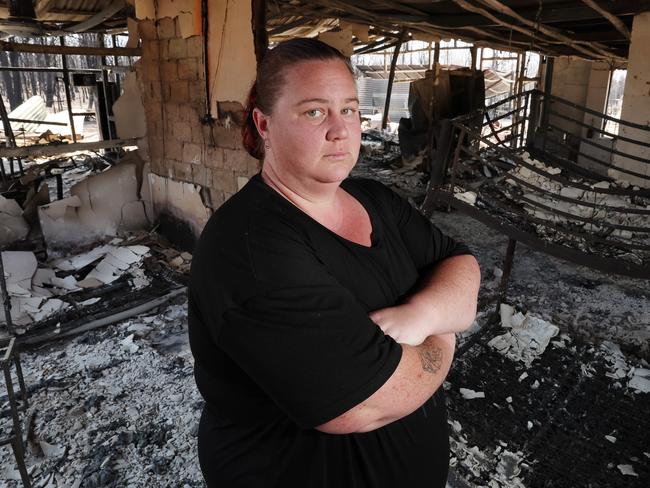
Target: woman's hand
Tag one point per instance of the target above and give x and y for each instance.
(407, 324)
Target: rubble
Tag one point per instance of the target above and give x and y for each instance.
(528, 336)
(121, 408)
(103, 204)
(37, 293)
(592, 197)
(13, 226)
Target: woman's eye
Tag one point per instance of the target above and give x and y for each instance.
(349, 111)
(314, 113)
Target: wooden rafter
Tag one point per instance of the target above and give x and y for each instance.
(613, 19)
(593, 52)
(552, 32)
(51, 49)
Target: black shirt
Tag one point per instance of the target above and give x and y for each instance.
(282, 341)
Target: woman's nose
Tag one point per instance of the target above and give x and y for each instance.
(337, 129)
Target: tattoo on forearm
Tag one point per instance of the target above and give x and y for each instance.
(431, 358)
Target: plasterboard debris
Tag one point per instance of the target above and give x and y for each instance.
(471, 394)
(37, 293)
(100, 205)
(618, 367)
(525, 341)
(13, 226)
(639, 383)
(627, 470)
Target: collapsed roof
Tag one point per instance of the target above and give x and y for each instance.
(586, 28)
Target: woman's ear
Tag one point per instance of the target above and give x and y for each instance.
(261, 122)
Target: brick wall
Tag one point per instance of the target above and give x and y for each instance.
(178, 146)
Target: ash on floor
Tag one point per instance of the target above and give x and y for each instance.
(572, 418)
(113, 407)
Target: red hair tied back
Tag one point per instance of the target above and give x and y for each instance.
(250, 137)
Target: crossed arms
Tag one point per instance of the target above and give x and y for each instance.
(425, 324)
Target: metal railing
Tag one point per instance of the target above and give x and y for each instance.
(612, 236)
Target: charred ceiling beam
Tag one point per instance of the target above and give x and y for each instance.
(616, 22)
(551, 32)
(100, 17)
(538, 28)
(91, 51)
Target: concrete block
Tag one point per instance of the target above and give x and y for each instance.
(155, 92)
(163, 49)
(180, 91)
(213, 157)
(182, 131)
(237, 160)
(195, 47)
(183, 171)
(224, 180)
(188, 69)
(177, 48)
(147, 29)
(200, 133)
(200, 175)
(174, 149)
(197, 92)
(227, 138)
(192, 153)
(169, 70)
(150, 50)
(166, 28)
(188, 113)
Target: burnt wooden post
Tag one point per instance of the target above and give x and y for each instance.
(6, 302)
(548, 84)
(532, 118)
(391, 77)
(66, 85)
(9, 138)
(507, 270)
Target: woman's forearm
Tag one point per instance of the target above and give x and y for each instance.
(444, 302)
(448, 295)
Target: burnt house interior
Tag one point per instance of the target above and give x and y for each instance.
(521, 127)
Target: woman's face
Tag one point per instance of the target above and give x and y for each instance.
(314, 131)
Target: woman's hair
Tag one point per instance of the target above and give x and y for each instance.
(270, 79)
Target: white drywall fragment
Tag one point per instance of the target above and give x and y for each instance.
(471, 394)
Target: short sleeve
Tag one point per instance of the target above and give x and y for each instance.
(425, 242)
(301, 336)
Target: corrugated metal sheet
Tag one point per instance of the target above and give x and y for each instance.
(372, 98)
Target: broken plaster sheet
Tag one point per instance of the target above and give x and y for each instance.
(101, 205)
(19, 267)
(116, 262)
(13, 226)
(525, 341)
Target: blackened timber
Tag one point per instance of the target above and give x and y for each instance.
(84, 50)
(37, 150)
(391, 77)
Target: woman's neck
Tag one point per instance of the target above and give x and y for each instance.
(318, 199)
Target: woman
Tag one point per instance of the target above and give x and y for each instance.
(322, 309)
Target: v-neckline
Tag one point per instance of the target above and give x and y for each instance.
(361, 199)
